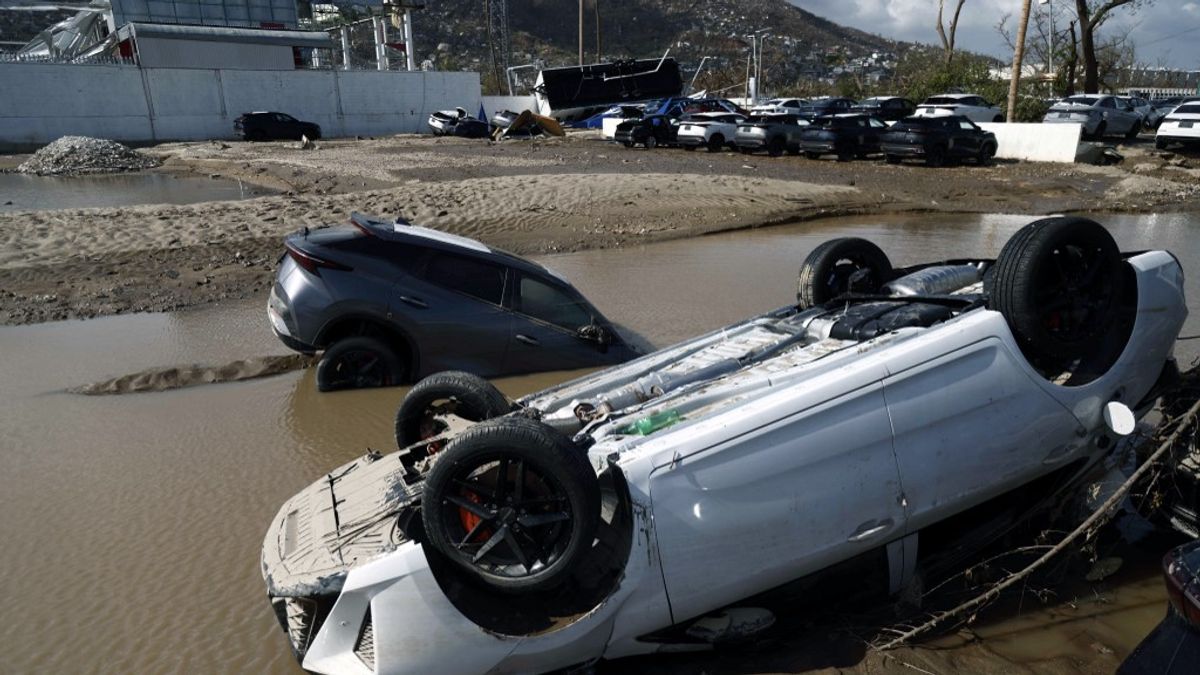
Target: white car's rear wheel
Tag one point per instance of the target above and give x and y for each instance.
(1056, 282)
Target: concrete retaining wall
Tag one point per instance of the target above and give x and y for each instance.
(1036, 142)
(144, 105)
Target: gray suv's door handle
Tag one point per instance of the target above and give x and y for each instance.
(415, 302)
(870, 529)
(527, 340)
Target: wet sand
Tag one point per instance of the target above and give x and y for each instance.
(553, 195)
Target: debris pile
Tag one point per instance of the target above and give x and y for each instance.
(75, 155)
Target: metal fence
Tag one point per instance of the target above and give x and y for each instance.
(101, 60)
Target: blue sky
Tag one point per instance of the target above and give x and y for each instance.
(1166, 31)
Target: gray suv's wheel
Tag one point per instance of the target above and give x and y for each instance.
(359, 362)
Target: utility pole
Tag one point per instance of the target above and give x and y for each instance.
(581, 32)
(596, 16)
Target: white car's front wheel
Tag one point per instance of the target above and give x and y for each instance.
(513, 503)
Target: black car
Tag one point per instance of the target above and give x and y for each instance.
(847, 136)
(650, 131)
(825, 106)
(265, 126)
(888, 108)
(390, 302)
(938, 140)
(1173, 647)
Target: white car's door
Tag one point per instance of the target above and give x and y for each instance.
(970, 424)
(808, 482)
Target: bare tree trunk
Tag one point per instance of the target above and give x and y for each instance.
(948, 39)
(1072, 62)
(581, 32)
(1089, 21)
(487, 9)
(1018, 61)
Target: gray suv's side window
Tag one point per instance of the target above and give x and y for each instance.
(467, 275)
(547, 303)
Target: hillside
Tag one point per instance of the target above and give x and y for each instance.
(454, 35)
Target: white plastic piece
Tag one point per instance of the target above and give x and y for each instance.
(1119, 418)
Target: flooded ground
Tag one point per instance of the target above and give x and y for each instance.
(28, 193)
(132, 525)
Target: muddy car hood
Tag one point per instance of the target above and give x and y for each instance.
(341, 521)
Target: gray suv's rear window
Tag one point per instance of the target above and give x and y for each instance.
(467, 275)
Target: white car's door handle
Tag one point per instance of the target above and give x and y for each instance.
(870, 529)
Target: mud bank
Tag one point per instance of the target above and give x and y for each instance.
(178, 377)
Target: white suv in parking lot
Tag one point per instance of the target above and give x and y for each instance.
(712, 130)
(974, 108)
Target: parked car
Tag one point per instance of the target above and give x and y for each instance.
(1181, 125)
(970, 106)
(649, 132)
(608, 516)
(779, 106)
(1101, 115)
(938, 140)
(267, 126)
(828, 105)
(714, 131)
(389, 302)
(1173, 647)
(1151, 116)
(847, 136)
(459, 122)
(774, 133)
(888, 108)
(1166, 105)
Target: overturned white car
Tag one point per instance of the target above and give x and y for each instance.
(606, 516)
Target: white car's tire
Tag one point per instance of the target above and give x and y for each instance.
(1056, 282)
(826, 272)
(512, 503)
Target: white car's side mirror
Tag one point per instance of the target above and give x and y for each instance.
(1119, 418)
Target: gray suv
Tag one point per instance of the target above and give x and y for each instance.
(390, 302)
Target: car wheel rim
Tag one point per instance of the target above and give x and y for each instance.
(362, 369)
(1073, 292)
(506, 517)
(838, 281)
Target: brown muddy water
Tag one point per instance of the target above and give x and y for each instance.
(19, 192)
(130, 526)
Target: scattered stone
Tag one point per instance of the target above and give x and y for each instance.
(76, 155)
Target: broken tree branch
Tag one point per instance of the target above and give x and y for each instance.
(1101, 513)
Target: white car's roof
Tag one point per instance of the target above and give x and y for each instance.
(1187, 111)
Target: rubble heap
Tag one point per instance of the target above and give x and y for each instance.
(74, 155)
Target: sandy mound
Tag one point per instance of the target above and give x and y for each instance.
(75, 155)
(177, 377)
(540, 213)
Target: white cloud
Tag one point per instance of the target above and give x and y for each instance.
(1156, 29)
